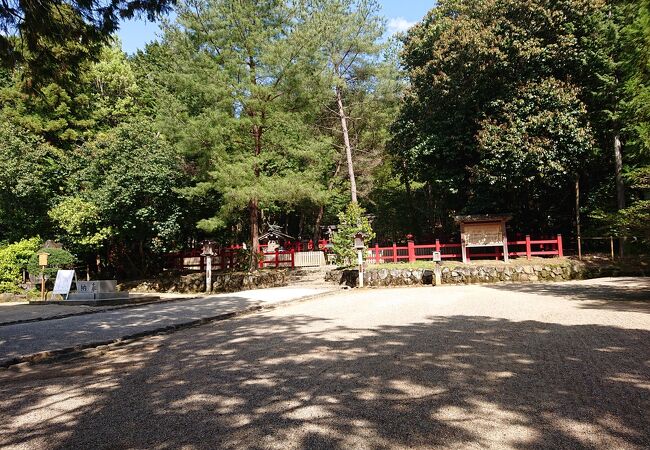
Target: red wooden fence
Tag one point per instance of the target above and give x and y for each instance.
(278, 259)
(227, 258)
(413, 252)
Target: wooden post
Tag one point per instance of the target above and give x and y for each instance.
(463, 244)
(377, 255)
(560, 246)
(579, 247)
(222, 258)
(293, 258)
(394, 252)
(277, 258)
(528, 250)
(611, 245)
(42, 285)
(438, 245)
(208, 274)
(505, 248)
(411, 248)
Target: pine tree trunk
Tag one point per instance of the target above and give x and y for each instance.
(321, 210)
(253, 209)
(346, 142)
(620, 187)
(253, 206)
(578, 230)
(618, 161)
(319, 219)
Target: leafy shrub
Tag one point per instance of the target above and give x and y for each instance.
(14, 258)
(351, 222)
(58, 259)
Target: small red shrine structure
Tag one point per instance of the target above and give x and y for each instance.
(487, 230)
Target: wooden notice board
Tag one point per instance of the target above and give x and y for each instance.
(483, 231)
(484, 234)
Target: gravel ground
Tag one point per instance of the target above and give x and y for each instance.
(504, 367)
(24, 339)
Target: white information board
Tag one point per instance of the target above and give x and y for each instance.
(63, 282)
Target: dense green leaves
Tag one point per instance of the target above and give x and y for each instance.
(13, 259)
(352, 221)
(511, 101)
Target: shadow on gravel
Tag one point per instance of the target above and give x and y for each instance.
(105, 326)
(304, 382)
(619, 294)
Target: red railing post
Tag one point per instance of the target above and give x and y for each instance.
(560, 248)
(411, 248)
(394, 252)
(528, 250)
(438, 245)
(377, 257)
(277, 258)
(293, 259)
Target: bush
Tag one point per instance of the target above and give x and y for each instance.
(351, 222)
(13, 259)
(58, 259)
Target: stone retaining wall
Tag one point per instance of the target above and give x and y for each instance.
(558, 270)
(221, 282)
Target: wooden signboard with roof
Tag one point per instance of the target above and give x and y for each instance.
(488, 230)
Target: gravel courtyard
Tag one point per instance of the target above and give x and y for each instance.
(519, 366)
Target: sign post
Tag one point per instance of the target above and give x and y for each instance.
(42, 262)
(359, 245)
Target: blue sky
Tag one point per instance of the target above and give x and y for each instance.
(400, 14)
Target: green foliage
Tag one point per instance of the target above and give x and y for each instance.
(13, 259)
(496, 116)
(351, 222)
(531, 148)
(81, 222)
(28, 178)
(53, 38)
(126, 180)
(58, 259)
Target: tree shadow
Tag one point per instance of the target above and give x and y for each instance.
(305, 382)
(619, 294)
(105, 326)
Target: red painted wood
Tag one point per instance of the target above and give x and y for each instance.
(394, 252)
(560, 247)
(411, 248)
(528, 247)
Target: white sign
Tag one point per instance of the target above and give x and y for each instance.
(63, 282)
(437, 257)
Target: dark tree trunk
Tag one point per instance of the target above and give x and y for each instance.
(253, 209)
(346, 142)
(620, 186)
(321, 209)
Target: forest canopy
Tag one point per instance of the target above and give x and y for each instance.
(247, 114)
